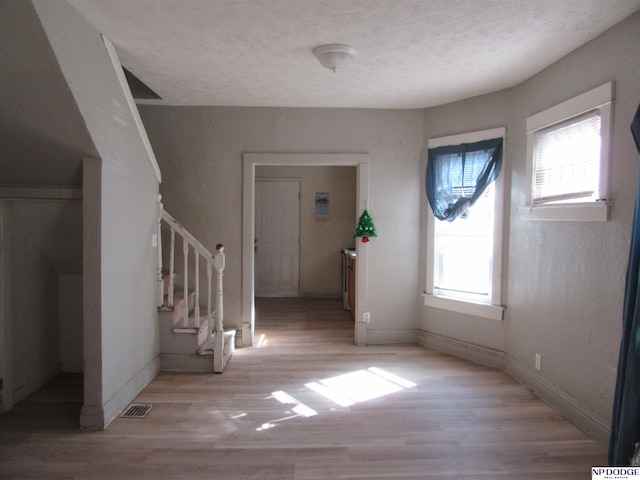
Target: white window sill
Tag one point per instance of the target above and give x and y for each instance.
(578, 212)
(483, 310)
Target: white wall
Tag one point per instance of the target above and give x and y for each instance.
(565, 281)
(200, 153)
(321, 242)
(34, 303)
(121, 339)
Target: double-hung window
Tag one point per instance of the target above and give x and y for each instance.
(464, 248)
(568, 158)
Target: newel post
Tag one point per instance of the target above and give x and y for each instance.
(218, 264)
(218, 348)
(158, 242)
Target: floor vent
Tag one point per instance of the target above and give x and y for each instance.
(137, 410)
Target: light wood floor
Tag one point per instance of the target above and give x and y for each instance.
(454, 420)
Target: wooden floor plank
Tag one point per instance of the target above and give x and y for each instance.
(455, 420)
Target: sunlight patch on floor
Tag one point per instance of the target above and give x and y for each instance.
(344, 390)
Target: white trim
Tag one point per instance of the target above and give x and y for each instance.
(588, 212)
(117, 66)
(6, 356)
(388, 336)
(470, 137)
(487, 356)
(128, 392)
(34, 383)
(591, 100)
(483, 310)
(250, 160)
(92, 417)
(600, 98)
(493, 310)
(569, 407)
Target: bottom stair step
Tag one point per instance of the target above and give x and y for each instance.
(229, 343)
(172, 362)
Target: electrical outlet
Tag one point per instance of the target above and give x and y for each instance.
(538, 361)
(366, 317)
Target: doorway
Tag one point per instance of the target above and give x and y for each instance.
(250, 162)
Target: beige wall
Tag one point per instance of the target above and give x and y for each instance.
(321, 242)
(200, 149)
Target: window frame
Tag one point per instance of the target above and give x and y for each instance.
(599, 99)
(493, 308)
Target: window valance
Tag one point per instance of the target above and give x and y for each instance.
(457, 175)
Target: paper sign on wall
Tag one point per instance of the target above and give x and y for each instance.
(322, 206)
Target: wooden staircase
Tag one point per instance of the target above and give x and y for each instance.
(191, 341)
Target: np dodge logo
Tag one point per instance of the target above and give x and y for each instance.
(615, 473)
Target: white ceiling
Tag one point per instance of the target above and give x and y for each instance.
(411, 53)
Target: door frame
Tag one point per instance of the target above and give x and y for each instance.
(249, 163)
(6, 367)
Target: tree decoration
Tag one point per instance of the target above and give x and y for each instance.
(365, 227)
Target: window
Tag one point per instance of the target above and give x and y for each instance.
(464, 256)
(463, 251)
(568, 158)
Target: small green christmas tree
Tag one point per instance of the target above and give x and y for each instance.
(365, 227)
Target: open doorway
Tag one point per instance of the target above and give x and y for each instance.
(254, 163)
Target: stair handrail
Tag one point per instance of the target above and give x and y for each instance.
(213, 261)
(167, 217)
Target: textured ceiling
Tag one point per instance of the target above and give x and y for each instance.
(411, 53)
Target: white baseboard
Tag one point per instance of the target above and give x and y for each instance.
(321, 295)
(98, 417)
(567, 406)
(92, 417)
(469, 351)
(570, 408)
(376, 336)
(34, 384)
(72, 367)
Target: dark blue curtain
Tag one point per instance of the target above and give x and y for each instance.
(625, 423)
(457, 175)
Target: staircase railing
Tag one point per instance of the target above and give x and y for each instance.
(213, 262)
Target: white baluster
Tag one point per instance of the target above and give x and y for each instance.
(172, 259)
(185, 313)
(196, 286)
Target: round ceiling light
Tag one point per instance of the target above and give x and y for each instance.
(335, 55)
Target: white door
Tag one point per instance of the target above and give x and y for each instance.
(277, 215)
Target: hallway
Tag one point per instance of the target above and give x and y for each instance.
(308, 404)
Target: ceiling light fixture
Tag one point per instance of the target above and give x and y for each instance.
(335, 55)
